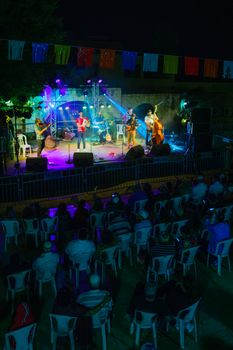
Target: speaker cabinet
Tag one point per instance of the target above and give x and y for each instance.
(135, 152)
(163, 149)
(203, 142)
(201, 118)
(37, 164)
(83, 159)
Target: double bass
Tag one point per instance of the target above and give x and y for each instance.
(157, 130)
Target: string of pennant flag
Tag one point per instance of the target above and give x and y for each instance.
(107, 57)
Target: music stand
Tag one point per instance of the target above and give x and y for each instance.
(68, 138)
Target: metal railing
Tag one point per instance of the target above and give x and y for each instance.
(52, 183)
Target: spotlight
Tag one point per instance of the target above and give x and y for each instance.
(67, 107)
(91, 107)
(85, 92)
(89, 81)
(109, 106)
(102, 106)
(100, 81)
(84, 107)
(60, 108)
(58, 81)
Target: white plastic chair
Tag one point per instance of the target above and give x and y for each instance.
(141, 238)
(161, 265)
(49, 226)
(139, 205)
(31, 228)
(187, 259)
(11, 230)
(101, 320)
(177, 225)
(16, 283)
(222, 251)
(22, 337)
(144, 320)
(186, 317)
(125, 246)
(121, 131)
(45, 274)
(109, 256)
(79, 262)
(62, 326)
(23, 144)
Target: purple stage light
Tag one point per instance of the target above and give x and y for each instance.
(100, 81)
(58, 81)
(89, 81)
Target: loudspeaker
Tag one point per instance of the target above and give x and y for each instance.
(203, 142)
(201, 120)
(37, 164)
(83, 159)
(163, 149)
(135, 152)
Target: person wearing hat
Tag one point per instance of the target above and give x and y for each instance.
(46, 261)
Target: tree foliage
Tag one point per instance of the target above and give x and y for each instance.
(30, 21)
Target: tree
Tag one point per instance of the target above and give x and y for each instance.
(30, 21)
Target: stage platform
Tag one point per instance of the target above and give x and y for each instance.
(61, 157)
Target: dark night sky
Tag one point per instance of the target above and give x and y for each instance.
(193, 27)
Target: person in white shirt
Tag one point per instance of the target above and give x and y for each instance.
(216, 188)
(81, 245)
(199, 191)
(46, 263)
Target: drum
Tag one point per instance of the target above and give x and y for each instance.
(50, 142)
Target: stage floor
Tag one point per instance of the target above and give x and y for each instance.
(63, 152)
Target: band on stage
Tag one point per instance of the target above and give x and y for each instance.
(104, 129)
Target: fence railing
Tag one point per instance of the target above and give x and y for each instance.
(79, 180)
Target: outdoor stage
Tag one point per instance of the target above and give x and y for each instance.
(61, 157)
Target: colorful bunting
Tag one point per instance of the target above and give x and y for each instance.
(150, 62)
(107, 58)
(129, 60)
(210, 68)
(228, 69)
(85, 56)
(15, 50)
(191, 66)
(170, 64)
(39, 52)
(62, 54)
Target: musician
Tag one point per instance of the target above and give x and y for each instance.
(127, 115)
(100, 122)
(82, 124)
(131, 127)
(40, 129)
(149, 121)
(157, 131)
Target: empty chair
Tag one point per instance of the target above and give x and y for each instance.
(49, 227)
(17, 282)
(108, 257)
(186, 319)
(121, 131)
(141, 239)
(21, 338)
(62, 326)
(23, 144)
(222, 251)
(31, 227)
(11, 230)
(79, 262)
(187, 259)
(177, 225)
(139, 205)
(162, 265)
(101, 320)
(144, 320)
(98, 220)
(125, 247)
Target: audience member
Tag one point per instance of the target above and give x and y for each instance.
(81, 215)
(81, 245)
(218, 231)
(116, 203)
(23, 314)
(162, 246)
(199, 190)
(216, 188)
(10, 214)
(64, 218)
(47, 262)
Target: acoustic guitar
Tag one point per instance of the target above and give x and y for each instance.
(108, 137)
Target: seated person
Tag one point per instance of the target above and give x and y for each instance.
(47, 260)
(218, 231)
(116, 203)
(162, 246)
(80, 245)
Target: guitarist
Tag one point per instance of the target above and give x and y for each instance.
(40, 129)
(131, 127)
(82, 124)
